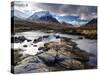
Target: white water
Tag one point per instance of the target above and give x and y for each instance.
(30, 49)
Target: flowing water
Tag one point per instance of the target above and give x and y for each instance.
(32, 48)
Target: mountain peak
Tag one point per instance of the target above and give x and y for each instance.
(43, 16)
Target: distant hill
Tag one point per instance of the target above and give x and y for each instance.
(92, 23)
(67, 24)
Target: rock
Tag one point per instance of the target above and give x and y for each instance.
(48, 57)
(17, 56)
(40, 39)
(46, 36)
(28, 40)
(57, 36)
(35, 45)
(37, 40)
(60, 56)
(80, 37)
(81, 55)
(43, 48)
(40, 48)
(46, 44)
(24, 45)
(66, 39)
(19, 39)
(72, 64)
(31, 59)
(31, 65)
(91, 37)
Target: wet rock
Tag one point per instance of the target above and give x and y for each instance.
(46, 36)
(91, 37)
(57, 36)
(40, 48)
(66, 39)
(19, 39)
(46, 44)
(35, 45)
(40, 39)
(37, 40)
(24, 45)
(72, 64)
(80, 37)
(43, 48)
(28, 40)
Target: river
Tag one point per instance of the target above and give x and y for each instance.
(84, 44)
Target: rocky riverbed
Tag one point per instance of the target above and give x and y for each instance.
(59, 55)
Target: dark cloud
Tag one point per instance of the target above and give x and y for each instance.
(85, 12)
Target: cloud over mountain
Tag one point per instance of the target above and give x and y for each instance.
(84, 13)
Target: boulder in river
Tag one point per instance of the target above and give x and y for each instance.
(28, 40)
(80, 37)
(24, 45)
(37, 40)
(19, 39)
(46, 36)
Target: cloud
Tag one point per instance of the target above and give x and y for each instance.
(85, 12)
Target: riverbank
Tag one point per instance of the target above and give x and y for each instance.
(23, 26)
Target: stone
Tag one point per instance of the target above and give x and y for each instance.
(72, 64)
(28, 40)
(46, 36)
(31, 64)
(19, 39)
(47, 58)
(37, 40)
(24, 45)
(80, 37)
(35, 45)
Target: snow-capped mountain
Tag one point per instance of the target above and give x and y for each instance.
(74, 20)
(46, 16)
(43, 16)
(67, 18)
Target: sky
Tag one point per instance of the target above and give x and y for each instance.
(83, 12)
